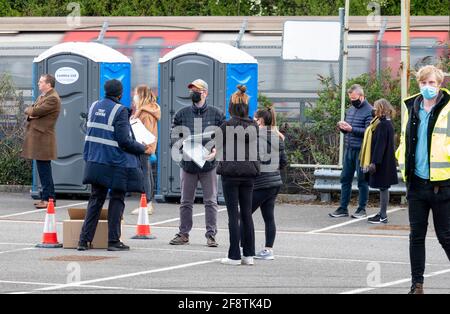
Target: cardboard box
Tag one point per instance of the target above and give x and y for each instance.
(72, 229)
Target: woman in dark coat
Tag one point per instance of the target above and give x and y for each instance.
(238, 169)
(383, 167)
(268, 184)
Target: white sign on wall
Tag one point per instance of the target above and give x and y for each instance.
(66, 75)
(311, 41)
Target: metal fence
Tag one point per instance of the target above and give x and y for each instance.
(291, 85)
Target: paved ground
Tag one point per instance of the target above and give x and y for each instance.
(314, 254)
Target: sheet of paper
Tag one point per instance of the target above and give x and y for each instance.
(193, 148)
(141, 133)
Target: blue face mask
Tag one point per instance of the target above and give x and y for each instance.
(429, 92)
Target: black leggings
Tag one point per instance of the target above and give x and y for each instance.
(238, 197)
(266, 199)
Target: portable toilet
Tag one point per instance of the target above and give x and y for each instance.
(80, 70)
(220, 65)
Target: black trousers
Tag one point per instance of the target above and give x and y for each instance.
(115, 213)
(423, 197)
(238, 198)
(265, 199)
(44, 168)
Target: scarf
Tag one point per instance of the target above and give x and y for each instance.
(366, 148)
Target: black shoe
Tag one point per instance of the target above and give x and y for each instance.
(416, 288)
(377, 219)
(340, 212)
(83, 246)
(360, 213)
(118, 246)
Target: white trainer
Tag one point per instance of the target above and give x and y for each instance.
(247, 260)
(228, 261)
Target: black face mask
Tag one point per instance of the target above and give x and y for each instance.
(356, 103)
(373, 113)
(196, 97)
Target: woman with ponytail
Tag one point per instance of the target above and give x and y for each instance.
(239, 168)
(269, 182)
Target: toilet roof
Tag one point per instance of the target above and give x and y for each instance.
(93, 51)
(219, 51)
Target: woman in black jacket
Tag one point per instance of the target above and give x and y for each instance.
(382, 170)
(268, 184)
(237, 148)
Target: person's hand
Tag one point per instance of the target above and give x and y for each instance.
(26, 111)
(147, 146)
(345, 126)
(372, 168)
(211, 156)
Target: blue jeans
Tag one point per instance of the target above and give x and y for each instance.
(351, 164)
(44, 168)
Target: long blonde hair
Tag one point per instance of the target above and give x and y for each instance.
(145, 95)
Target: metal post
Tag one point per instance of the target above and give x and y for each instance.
(342, 21)
(379, 41)
(101, 36)
(241, 33)
(405, 13)
(344, 78)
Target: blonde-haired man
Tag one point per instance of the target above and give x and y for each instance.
(424, 159)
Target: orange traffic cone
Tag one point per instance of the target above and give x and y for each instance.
(50, 238)
(143, 225)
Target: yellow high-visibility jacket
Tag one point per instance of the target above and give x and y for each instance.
(440, 140)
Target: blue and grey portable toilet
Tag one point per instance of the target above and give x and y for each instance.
(80, 69)
(220, 65)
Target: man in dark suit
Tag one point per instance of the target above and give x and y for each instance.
(40, 138)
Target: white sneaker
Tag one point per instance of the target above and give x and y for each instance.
(266, 254)
(247, 260)
(228, 261)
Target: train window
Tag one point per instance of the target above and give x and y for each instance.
(146, 54)
(423, 51)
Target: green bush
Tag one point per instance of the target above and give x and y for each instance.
(13, 169)
(317, 142)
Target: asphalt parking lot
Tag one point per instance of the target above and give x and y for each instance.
(313, 254)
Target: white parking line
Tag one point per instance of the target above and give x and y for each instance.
(18, 250)
(40, 210)
(350, 222)
(153, 271)
(394, 283)
(176, 219)
(27, 283)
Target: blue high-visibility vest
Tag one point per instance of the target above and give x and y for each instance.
(101, 145)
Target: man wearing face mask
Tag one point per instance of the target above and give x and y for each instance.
(191, 173)
(357, 119)
(424, 160)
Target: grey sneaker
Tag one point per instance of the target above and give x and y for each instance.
(266, 254)
(360, 213)
(340, 212)
(211, 241)
(179, 240)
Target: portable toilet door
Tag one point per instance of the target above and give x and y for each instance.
(220, 65)
(80, 70)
